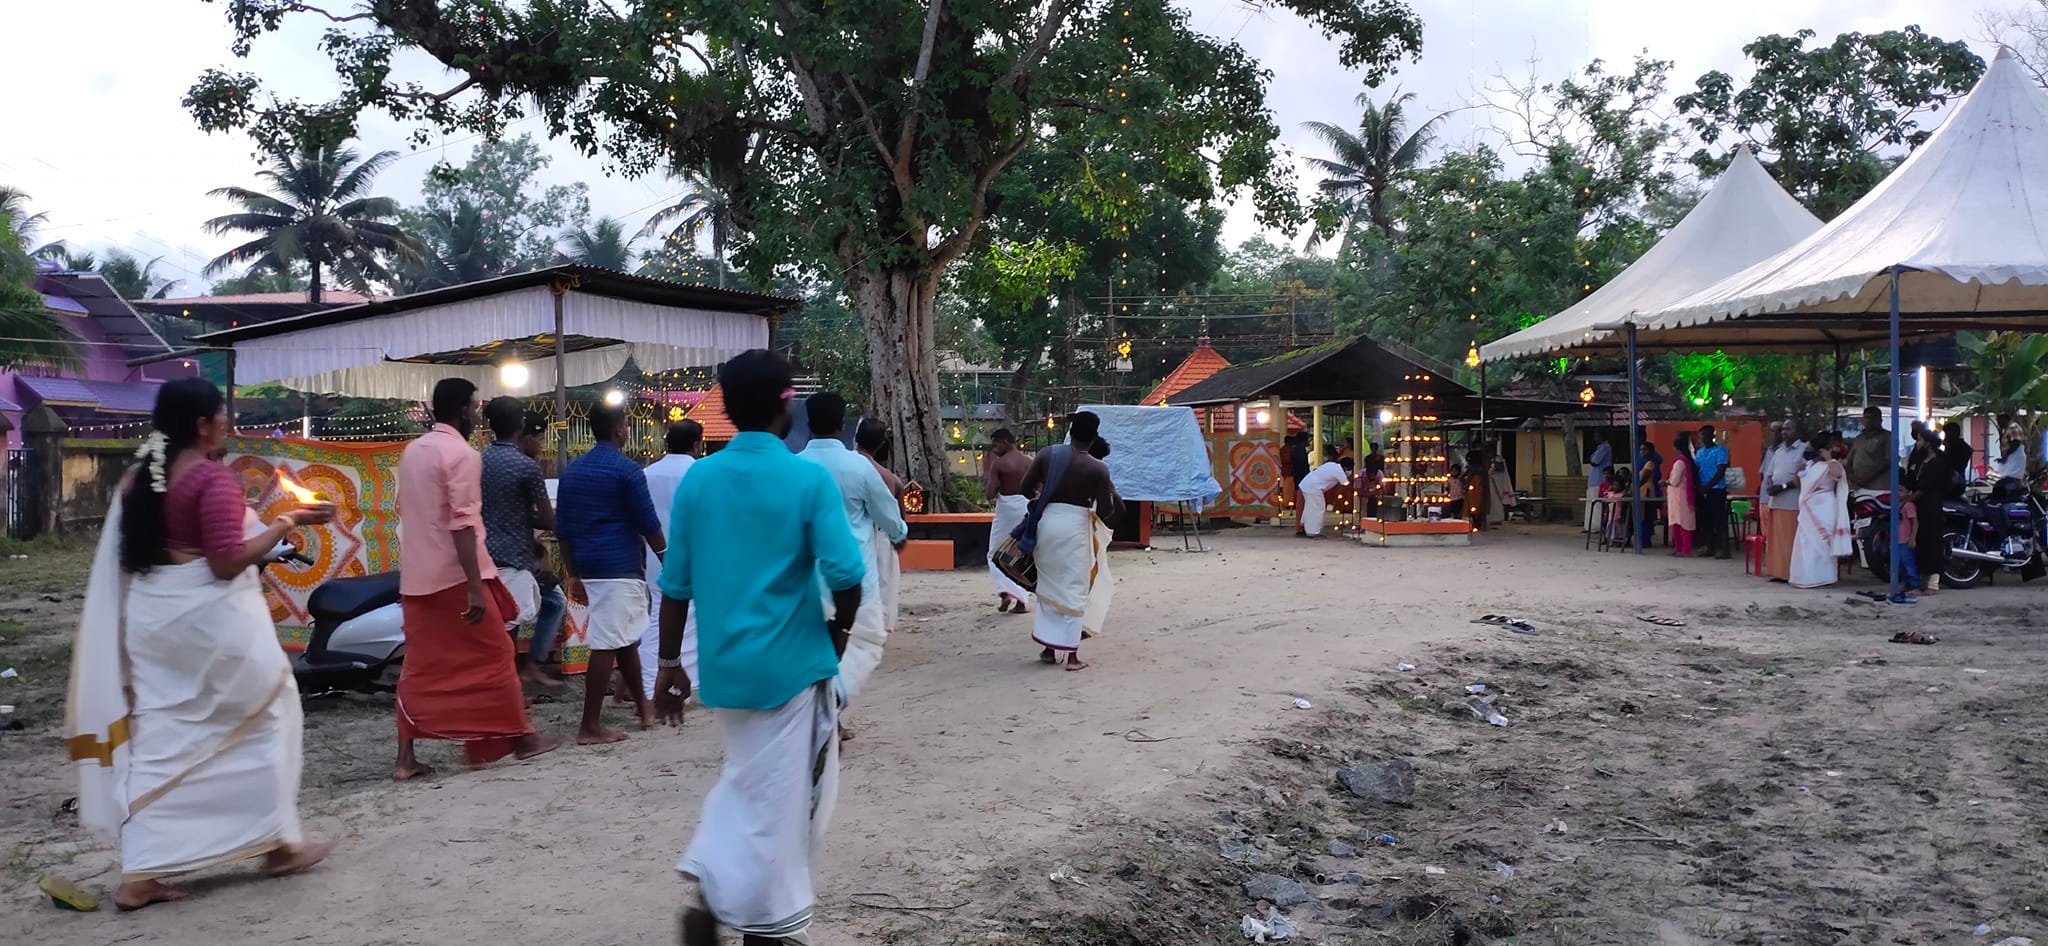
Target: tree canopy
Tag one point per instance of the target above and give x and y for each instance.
(860, 139)
(1830, 121)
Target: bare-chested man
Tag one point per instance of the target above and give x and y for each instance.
(1077, 488)
(1002, 473)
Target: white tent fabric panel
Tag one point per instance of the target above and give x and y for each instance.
(1745, 218)
(362, 358)
(1963, 213)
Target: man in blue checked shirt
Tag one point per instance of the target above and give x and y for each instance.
(605, 515)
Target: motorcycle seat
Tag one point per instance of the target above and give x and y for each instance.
(341, 599)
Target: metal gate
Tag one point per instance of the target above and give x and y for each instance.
(18, 494)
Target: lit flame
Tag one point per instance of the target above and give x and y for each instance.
(303, 495)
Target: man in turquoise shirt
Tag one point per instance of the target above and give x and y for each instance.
(752, 530)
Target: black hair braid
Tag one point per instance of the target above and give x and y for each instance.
(180, 407)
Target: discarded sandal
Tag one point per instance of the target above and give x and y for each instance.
(1914, 637)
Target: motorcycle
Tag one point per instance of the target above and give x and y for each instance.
(2006, 529)
(1870, 521)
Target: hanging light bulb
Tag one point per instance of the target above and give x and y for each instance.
(1472, 355)
(614, 397)
(1586, 394)
(512, 374)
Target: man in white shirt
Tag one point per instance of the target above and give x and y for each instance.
(1314, 504)
(1779, 500)
(870, 508)
(664, 476)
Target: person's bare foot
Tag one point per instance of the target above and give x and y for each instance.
(599, 736)
(647, 716)
(406, 773)
(1004, 604)
(845, 734)
(1074, 663)
(136, 894)
(532, 676)
(1046, 656)
(282, 862)
(534, 744)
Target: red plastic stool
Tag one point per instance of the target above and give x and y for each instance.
(1753, 554)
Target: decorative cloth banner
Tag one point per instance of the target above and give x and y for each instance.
(361, 479)
(1250, 468)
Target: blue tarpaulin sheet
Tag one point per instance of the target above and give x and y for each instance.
(1156, 454)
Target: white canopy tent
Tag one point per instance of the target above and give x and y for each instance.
(1745, 218)
(565, 325)
(1960, 221)
(397, 348)
(1952, 239)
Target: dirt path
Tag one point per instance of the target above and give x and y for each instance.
(977, 773)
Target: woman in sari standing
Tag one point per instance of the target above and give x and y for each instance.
(1678, 496)
(1823, 535)
(182, 717)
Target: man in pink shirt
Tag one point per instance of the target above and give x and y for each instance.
(458, 681)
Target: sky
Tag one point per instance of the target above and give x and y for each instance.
(99, 141)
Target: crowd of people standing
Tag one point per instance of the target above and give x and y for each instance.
(760, 580)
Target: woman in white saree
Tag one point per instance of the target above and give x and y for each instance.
(182, 718)
(1824, 534)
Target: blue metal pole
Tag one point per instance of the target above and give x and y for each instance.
(1892, 549)
(1635, 449)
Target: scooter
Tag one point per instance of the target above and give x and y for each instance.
(358, 636)
(1870, 519)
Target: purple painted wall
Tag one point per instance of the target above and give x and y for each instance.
(109, 334)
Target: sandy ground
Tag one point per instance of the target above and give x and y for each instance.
(1772, 771)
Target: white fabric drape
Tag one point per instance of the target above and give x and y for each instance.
(182, 717)
(1103, 589)
(1066, 570)
(362, 358)
(766, 818)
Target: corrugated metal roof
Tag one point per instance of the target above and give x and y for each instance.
(114, 317)
(115, 397)
(590, 279)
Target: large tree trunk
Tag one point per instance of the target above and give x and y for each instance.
(313, 284)
(898, 316)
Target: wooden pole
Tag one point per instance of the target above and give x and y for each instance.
(561, 291)
(1315, 435)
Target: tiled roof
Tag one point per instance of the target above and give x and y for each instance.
(1200, 364)
(711, 413)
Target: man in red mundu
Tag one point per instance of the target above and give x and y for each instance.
(459, 681)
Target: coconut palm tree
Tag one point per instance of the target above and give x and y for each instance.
(28, 334)
(319, 213)
(1362, 170)
(133, 278)
(603, 244)
(457, 249)
(706, 209)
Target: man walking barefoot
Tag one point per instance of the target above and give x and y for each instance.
(753, 530)
(1002, 472)
(458, 681)
(606, 514)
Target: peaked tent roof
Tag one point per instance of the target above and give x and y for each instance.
(1204, 361)
(1355, 369)
(1961, 216)
(1746, 217)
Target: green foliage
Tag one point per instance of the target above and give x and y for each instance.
(319, 215)
(28, 333)
(1479, 250)
(859, 140)
(133, 278)
(828, 343)
(490, 216)
(603, 244)
(2010, 371)
(1359, 180)
(1831, 115)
